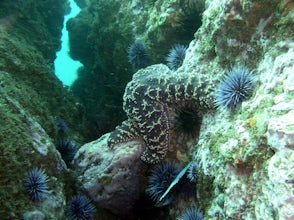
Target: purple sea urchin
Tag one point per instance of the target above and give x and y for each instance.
(80, 208)
(137, 55)
(161, 178)
(176, 56)
(236, 87)
(191, 214)
(192, 172)
(67, 150)
(187, 121)
(36, 184)
(62, 127)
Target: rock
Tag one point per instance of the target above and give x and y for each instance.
(100, 37)
(280, 189)
(31, 99)
(34, 215)
(111, 177)
(280, 133)
(246, 155)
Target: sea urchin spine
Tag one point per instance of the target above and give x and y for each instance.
(191, 214)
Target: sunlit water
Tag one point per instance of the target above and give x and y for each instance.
(65, 67)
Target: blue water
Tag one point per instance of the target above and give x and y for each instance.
(65, 67)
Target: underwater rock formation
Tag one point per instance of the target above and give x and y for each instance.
(245, 156)
(31, 98)
(100, 37)
(110, 177)
(250, 154)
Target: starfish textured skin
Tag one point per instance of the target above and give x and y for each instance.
(148, 99)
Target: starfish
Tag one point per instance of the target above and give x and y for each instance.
(147, 100)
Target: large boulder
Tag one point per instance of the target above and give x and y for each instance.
(111, 177)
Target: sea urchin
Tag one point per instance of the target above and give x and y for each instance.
(67, 150)
(36, 184)
(137, 55)
(236, 87)
(159, 181)
(187, 121)
(191, 214)
(192, 172)
(176, 56)
(80, 208)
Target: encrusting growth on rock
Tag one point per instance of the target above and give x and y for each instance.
(148, 100)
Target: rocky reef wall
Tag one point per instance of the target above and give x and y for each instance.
(245, 155)
(32, 100)
(100, 37)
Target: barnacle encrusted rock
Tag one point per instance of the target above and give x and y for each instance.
(148, 99)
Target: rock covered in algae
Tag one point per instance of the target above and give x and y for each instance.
(249, 153)
(31, 98)
(246, 157)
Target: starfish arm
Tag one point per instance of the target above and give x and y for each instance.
(156, 133)
(123, 133)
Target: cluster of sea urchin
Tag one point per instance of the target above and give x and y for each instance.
(65, 147)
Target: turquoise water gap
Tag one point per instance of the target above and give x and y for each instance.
(65, 67)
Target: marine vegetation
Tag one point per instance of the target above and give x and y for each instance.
(137, 55)
(236, 87)
(35, 184)
(176, 56)
(161, 178)
(191, 214)
(80, 207)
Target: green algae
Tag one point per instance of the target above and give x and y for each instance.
(31, 100)
(14, 161)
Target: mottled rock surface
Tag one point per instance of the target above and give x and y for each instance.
(111, 178)
(246, 156)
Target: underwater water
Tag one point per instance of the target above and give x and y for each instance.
(167, 110)
(65, 67)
